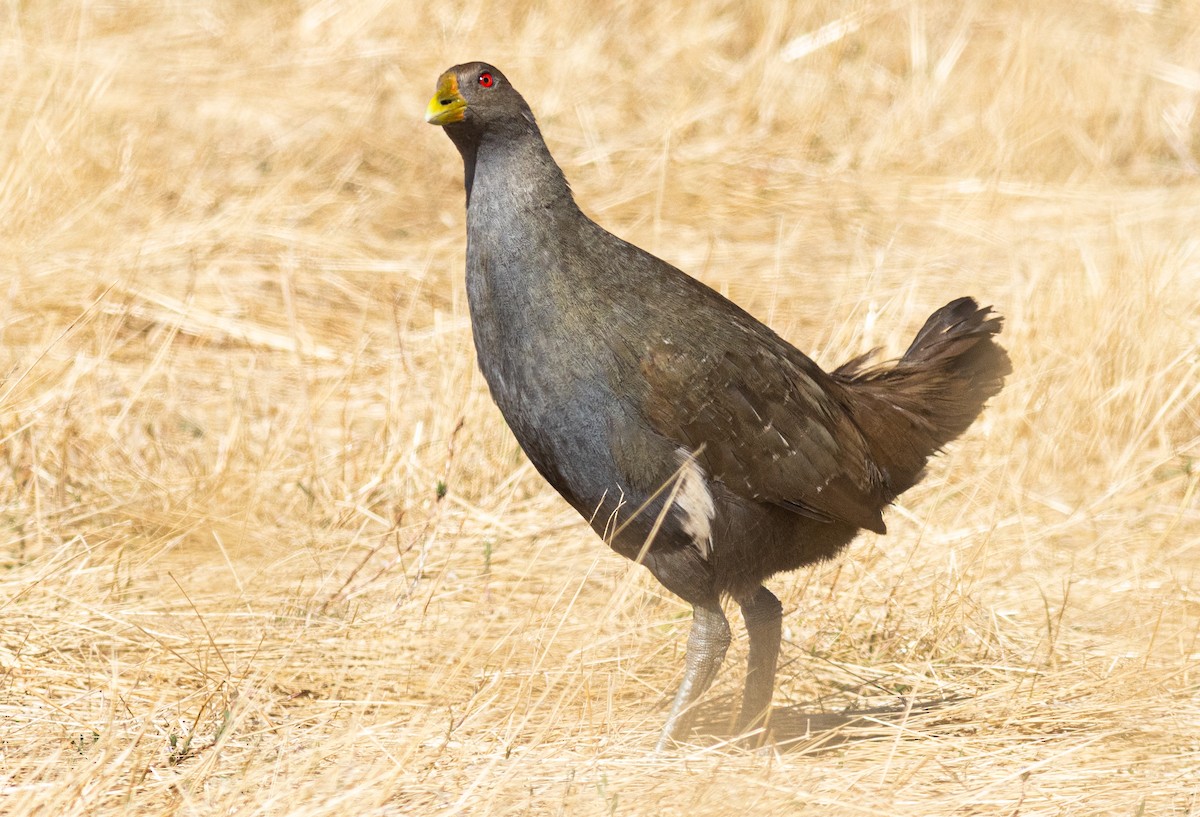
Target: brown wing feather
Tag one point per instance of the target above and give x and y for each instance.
(770, 425)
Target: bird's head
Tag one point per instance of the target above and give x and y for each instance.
(473, 98)
(491, 125)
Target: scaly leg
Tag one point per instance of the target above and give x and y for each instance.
(764, 620)
(707, 642)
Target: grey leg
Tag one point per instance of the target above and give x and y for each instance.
(764, 619)
(706, 647)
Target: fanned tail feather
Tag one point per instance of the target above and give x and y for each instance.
(910, 410)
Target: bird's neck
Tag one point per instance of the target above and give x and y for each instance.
(511, 170)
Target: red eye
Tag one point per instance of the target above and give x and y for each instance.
(486, 79)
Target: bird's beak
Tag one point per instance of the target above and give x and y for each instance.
(447, 104)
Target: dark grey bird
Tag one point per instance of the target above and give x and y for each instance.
(691, 436)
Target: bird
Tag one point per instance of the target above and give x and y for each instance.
(693, 438)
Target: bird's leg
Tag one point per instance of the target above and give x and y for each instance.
(764, 617)
(707, 642)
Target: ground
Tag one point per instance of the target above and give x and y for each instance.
(267, 548)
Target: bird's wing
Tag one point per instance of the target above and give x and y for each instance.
(767, 423)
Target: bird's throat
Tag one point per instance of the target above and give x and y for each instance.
(511, 166)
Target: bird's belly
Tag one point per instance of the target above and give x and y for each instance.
(557, 384)
(560, 415)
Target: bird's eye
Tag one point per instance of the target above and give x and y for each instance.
(486, 80)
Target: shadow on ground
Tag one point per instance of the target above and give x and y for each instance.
(798, 728)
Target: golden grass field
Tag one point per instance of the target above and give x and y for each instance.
(267, 548)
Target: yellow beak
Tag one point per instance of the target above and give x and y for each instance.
(447, 104)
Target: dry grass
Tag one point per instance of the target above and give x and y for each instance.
(237, 367)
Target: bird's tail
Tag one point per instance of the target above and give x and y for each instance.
(910, 410)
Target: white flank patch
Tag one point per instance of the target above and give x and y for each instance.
(695, 502)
